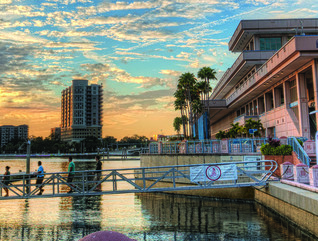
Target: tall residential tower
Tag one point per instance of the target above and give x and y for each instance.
(81, 111)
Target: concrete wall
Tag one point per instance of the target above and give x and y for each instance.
(281, 119)
(297, 205)
(244, 193)
(223, 124)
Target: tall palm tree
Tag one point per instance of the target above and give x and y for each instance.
(180, 104)
(207, 74)
(187, 91)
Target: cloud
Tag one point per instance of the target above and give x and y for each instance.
(171, 72)
(100, 72)
(19, 36)
(107, 7)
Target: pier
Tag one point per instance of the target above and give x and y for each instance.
(145, 179)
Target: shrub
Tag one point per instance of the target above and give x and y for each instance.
(283, 150)
(300, 142)
(273, 142)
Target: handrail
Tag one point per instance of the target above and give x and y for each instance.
(144, 179)
(211, 146)
(299, 150)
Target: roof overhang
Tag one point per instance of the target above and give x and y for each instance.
(247, 28)
(295, 55)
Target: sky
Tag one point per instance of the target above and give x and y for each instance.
(136, 49)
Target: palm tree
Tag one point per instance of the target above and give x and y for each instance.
(180, 104)
(207, 74)
(252, 124)
(197, 109)
(177, 124)
(187, 92)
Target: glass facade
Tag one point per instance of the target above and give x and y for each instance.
(270, 43)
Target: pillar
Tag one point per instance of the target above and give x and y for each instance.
(302, 106)
(315, 82)
(286, 89)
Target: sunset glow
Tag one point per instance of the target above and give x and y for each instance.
(136, 49)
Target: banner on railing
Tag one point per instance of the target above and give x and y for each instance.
(213, 173)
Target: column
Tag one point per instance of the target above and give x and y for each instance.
(286, 88)
(275, 100)
(315, 81)
(302, 106)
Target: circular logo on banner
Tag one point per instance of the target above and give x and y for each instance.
(213, 173)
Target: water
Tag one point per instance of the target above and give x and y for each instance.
(139, 216)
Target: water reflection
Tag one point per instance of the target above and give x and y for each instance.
(143, 217)
(191, 218)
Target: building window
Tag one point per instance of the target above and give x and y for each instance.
(270, 43)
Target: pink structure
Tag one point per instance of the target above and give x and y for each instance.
(274, 79)
(287, 171)
(301, 173)
(313, 176)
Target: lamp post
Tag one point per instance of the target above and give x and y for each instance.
(316, 137)
(28, 165)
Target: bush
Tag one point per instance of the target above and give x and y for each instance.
(300, 142)
(273, 142)
(283, 150)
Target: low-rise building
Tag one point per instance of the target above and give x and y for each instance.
(9, 132)
(274, 79)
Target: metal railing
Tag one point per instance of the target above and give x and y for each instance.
(299, 150)
(239, 145)
(137, 180)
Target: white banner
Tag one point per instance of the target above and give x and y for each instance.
(213, 173)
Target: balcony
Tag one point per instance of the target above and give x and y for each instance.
(295, 53)
(243, 64)
(215, 104)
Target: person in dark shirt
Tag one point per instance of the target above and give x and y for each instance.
(6, 180)
(98, 173)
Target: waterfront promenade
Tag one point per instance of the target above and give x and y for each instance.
(296, 201)
(150, 216)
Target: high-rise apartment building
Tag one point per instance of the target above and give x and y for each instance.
(9, 132)
(81, 111)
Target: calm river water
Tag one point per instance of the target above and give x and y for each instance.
(142, 217)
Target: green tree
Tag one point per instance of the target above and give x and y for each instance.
(252, 124)
(177, 124)
(186, 93)
(206, 74)
(220, 135)
(91, 143)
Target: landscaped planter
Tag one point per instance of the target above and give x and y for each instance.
(280, 160)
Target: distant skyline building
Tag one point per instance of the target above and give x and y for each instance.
(81, 111)
(9, 132)
(273, 80)
(56, 132)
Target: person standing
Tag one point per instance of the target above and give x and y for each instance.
(40, 177)
(71, 172)
(98, 173)
(6, 180)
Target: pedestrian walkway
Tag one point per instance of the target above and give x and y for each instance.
(135, 180)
